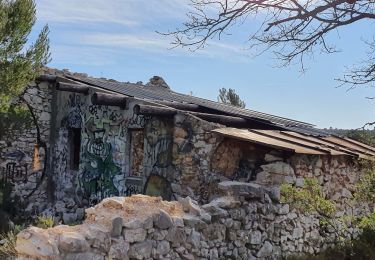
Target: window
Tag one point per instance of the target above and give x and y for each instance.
(75, 147)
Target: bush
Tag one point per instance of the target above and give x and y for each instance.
(44, 222)
(362, 248)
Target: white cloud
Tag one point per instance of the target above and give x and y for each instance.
(90, 34)
(155, 43)
(123, 12)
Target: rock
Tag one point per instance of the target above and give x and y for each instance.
(280, 168)
(274, 193)
(133, 224)
(297, 233)
(37, 243)
(69, 218)
(44, 116)
(163, 220)
(114, 202)
(300, 182)
(194, 239)
(256, 237)
(73, 242)
(135, 235)
(80, 213)
(266, 250)
(176, 235)
(190, 207)
(60, 206)
(177, 221)
(193, 221)
(226, 202)
(97, 236)
(85, 255)
(346, 193)
(272, 158)
(284, 209)
(176, 188)
(141, 250)
(116, 227)
(163, 248)
(240, 188)
(119, 249)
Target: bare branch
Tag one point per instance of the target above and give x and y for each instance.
(292, 29)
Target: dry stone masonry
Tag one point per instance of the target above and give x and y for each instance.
(246, 222)
(225, 191)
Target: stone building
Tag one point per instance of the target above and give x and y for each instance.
(98, 138)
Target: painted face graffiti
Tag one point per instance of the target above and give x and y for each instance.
(99, 168)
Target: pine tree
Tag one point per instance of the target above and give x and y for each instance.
(230, 97)
(20, 60)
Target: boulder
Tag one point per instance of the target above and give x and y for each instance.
(73, 242)
(265, 250)
(189, 206)
(163, 220)
(135, 235)
(37, 243)
(242, 188)
(141, 250)
(116, 227)
(119, 249)
(114, 202)
(163, 248)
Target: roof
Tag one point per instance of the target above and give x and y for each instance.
(286, 134)
(301, 143)
(162, 94)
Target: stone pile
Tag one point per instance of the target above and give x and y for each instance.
(248, 222)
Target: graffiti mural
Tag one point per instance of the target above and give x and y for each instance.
(99, 169)
(158, 151)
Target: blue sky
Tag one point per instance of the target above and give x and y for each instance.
(116, 39)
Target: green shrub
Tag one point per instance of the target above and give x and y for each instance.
(44, 222)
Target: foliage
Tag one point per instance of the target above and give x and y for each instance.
(230, 97)
(15, 118)
(44, 222)
(309, 198)
(365, 136)
(19, 60)
(365, 188)
(362, 248)
(292, 30)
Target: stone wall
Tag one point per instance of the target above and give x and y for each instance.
(22, 161)
(246, 222)
(121, 154)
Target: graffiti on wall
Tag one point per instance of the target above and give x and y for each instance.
(14, 168)
(114, 159)
(99, 170)
(158, 152)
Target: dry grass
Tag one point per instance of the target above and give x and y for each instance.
(8, 244)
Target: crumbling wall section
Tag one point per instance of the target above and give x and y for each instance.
(22, 162)
(248, 222)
